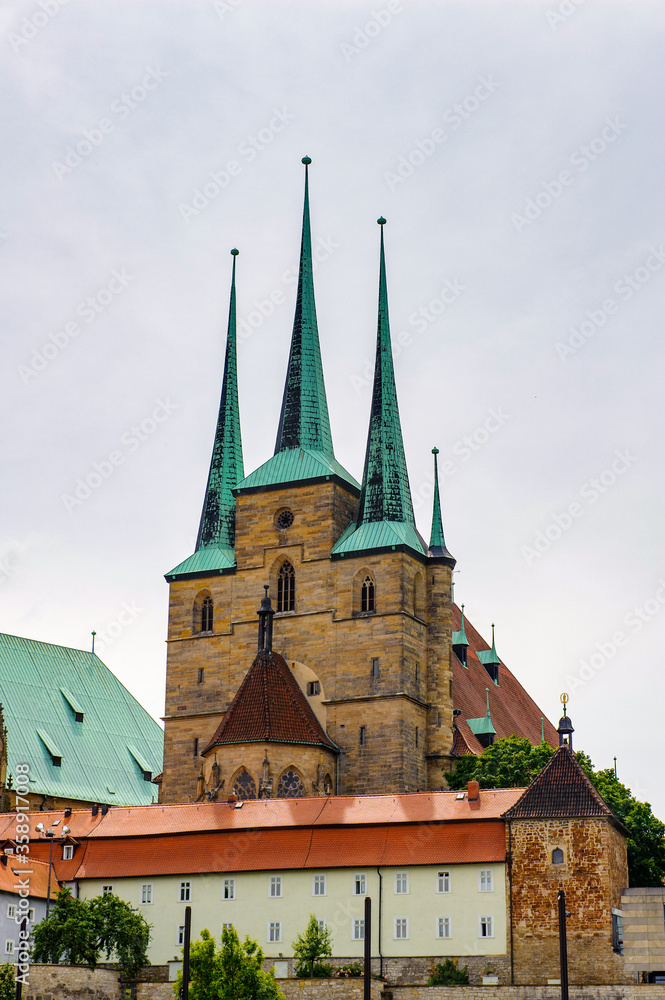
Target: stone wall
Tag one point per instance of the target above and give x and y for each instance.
(628, 992)
(70, 982)
(643, 929)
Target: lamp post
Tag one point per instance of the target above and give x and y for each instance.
(51, 834)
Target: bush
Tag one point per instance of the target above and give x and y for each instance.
(448, 974)
(7, 982)
(317, 970)
(352, 970)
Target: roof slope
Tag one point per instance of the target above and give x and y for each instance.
(562, 789)
(37, 876)
(306, 847)
(269, 706)
(512, 710)
(96, 764)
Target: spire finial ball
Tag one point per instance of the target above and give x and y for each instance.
(381, 221)
(306, 160)
(435, 451)
(235, 252)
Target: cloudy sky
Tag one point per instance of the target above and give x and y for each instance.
(516, 151)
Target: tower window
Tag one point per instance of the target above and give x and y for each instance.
(206, 614)
(375, 668)
(363, 736)
(313, 687)
(195, 746)
(367, 595)
(286, 588)
(200, 676)
(416, 735)
(557, 856)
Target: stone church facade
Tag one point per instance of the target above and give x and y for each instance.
(360, 606)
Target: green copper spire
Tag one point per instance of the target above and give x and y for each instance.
(482, 727)
(489, 656)
(385, 513)
(214, 545)
(459, 635)
(437, 543)
(304, 421)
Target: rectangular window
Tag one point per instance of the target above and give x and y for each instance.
(227, 927)
(319, 885)
(486, 880)
(106, 889)
(401, 928)
(31, 915)
(313, 687)
(617, 931)
(200, 675)
(375, 668)
(229, 888)
(180, 936)
(401, 882)
(275, 885)
(363, 736)
(195, 747)
(443, 927)
(67, 852)
(360, 884)
(486, 927)
(185, 892)
(11, 911)
(358, 930)
(417, 674)
(9, 947)
(274, 930)
(146, 892)
(443, 882)
(322, 925)
(416, 735)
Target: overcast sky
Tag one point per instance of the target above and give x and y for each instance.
(515, 150)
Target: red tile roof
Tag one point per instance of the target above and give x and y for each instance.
(288, 849)
(562, 789)
(270, 707)
(512, 710)
(35, 872)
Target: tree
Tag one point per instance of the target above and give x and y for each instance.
(514, 762)
(80, 931)
(7, 981)
(233, 972)
(310, 947)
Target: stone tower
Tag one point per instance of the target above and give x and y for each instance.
(362, 604)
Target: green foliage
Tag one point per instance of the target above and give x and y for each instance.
(352, 970)
(232, 972)
(514, 762)
(448, 974)
(311, 946)
(81, 931)
(7, 982)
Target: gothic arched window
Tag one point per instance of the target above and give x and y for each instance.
(367, 595)
(557, 856)
(290, 785)
(206, 614)
(244, 785)
(286, 588)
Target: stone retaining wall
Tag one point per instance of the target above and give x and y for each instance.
(633, 992)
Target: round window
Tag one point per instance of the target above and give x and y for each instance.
(284, 519)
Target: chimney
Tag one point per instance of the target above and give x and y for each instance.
(95, 809)
(473, 791)
(232, 799)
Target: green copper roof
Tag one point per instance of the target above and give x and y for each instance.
(489, 656)
(304, 449)
(385, 498)
(459, 635)
(297, 465)
(437, 543)
(214, 545)
(42, 688)
(304, 419)
(483, 726)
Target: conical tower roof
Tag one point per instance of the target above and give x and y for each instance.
(437, 543)
(215, 541)
(304, 450)
(269, 707)
(385, 515)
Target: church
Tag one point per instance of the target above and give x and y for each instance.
(314, 647)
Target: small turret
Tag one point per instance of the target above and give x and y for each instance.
(565, 727)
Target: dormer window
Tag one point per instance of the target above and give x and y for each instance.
(67, 852)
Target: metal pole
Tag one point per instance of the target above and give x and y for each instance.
(367, 970)
(185, 957)
(48, 891)
(23, 946)
(563, 945)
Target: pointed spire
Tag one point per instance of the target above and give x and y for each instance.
(385, 492)
(459, 635)
(217, 525)
(437, 543)
(304, 421)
